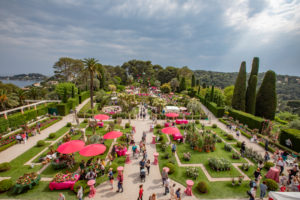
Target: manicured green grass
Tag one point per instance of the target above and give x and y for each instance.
(17, 165)
(202, 157)
(59, 133)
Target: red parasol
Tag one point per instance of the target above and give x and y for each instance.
(112, 135)
(70, 147)
(170, 130)
(101, 117)
(172, 115)
(93, 150)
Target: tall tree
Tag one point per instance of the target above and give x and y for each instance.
(91, 65)
(7, 100)
(21, 94)
(67, 69)
(199, 88)
(193, 80)
(239, 93)
(212, 95)
(251, 89)
(266, 99)
(197, 82)
(182, 85)
(174, 84)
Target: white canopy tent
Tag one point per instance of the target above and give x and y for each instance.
(172, 109)
(284, 195)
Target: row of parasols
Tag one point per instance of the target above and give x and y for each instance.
(89, 150)
(106, 117)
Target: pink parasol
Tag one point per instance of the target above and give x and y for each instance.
(101, 117)
(112, 135)
(172, 115)
(170, 130)
(93, 150)
(70, 147)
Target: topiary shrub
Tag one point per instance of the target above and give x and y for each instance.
(69, 124)
(5, 185)
(83, 184)
(51, 135)
(230, 137)
(40, 143)
(158, 126)
(197, 122)
(214, 126)
(85, 121)
(127, 125)
(219, 140)
(171, 167)
(192, 172)
(4, 166)
(268, 165)
(235, 155)
(227, 147)
(239, 144)
(271, 184)
(202, 187)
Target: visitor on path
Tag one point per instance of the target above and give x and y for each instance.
(281, 164)
(144, 137)
(19, 138)
(243, 148)
(263, 189)
(141, 192)
(266, 145)
(91, 175)
(260, 165)
(292, 173)
(61, 196)
(142, 164)
(257, 175)
(120, 183)
(134, 148)
(266, 156)
(164, 176)
(111, 177)
(252, 193)
(148, 166)
(143, 175)
(178, 194)
(152, 197)
(145, 155)
(173, 148)
(172, 192)
(80, 192)
(167, 184)
(238, 132)
(24, 138)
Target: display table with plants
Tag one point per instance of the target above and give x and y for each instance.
(26, 182)
(64, 181)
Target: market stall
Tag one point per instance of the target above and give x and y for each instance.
(64, 181)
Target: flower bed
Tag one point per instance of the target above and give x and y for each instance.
(25, 182)
(219, 164)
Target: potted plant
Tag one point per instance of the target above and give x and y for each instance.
(233, 181)
(240, 179)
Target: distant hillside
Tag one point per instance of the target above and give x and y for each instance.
(288, 87)
(30, 76)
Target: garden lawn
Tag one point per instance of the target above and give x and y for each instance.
(217, 190)
(220, 133)
(202, 157)
(17, 165)
(59, 133)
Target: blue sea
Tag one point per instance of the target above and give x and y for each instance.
(19, 83)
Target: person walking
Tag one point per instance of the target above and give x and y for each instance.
(141, 192)
(148, 166)
(243, 148)
(80, 192)
(252, 193)
(111, 177)
(24, 137)
(164, 176)
(61, 196)
(172, 192)
(120, 183)
(263, 190)
(167, 184)
(153, 197)
(178, 195)
(173, 148)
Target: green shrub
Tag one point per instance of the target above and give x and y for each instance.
(192, 172)
(239, 144)
(202, 187)
(171, 167)
(197, 122)
(271, 184)
(230, 137)
(293, 135)
(268, 165)
(85, 121)
(227, 147)
(83, 184)
(158, 126)
(214, 126)
(4, 166)
(5, 185)
(69, 124)
(4, 124)
(252, 121)
(219, 140)
(62, 109)
(235, 155)
(40, 143)
(51, 135)
(127, 125)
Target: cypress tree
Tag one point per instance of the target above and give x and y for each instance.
(197, 82)
(193, 81)
(251, 89)
(182, 85)
(204, 85)
(199, 87)
(266, 99)
(212, 93)
(73, 92)
(239, 93)
(65, 98)
(79, 91)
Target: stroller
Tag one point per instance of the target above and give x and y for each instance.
(143, 174)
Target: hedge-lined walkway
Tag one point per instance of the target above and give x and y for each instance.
(16, 150)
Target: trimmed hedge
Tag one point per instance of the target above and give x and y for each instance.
(293, 135)
(4, 167)
(4, 124)
(83, 96)
(5, 185)
(62, 109)
(217, 111)
(252, 121)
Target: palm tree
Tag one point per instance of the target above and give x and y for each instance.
(33, 93)
(91, 65)
(21, 94)
(7, 100)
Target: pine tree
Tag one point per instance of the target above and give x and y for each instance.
(251, 89)
(266, 99)
(193, 81)
(182, 85)
(212, 93)
(239, 93)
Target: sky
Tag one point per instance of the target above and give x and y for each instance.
(214, 35)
